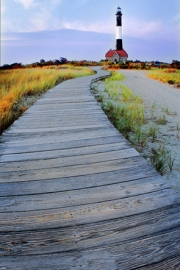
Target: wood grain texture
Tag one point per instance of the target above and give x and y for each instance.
(74, 194)
(91, 234)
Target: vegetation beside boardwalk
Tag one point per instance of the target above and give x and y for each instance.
(19, 88)
(126, 111)
(171, 76)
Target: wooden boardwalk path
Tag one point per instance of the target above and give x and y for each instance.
(74, 194)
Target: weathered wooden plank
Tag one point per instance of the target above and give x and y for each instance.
(132, 255)
(70, 171)
(63, 119)
(83, 105)
(45, 162)
(77, 182)
(90, 235)
(67, 100)
(37, 148)
(93, 149)
(71, 128)
(60, 125)
(82, 196)
(88, 213)
(172, 263)
(59, 113)
(63, 108)
(90, 119)
(66, 119)
(76, 98)
(59, 136)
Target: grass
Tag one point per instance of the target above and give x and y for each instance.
(161, 159)
(153, 129)
(166, 110)
(152, 110)
(19, 84)
(171, 76)
(126, 112)
(161, 120)
(141, 135)
(114, 77)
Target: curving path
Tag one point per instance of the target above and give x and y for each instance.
(74, 194)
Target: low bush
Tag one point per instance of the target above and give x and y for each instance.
(171, 82)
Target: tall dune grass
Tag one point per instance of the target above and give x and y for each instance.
(171, 76)
(21, 83)
(125, 110)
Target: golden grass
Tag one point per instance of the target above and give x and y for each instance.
(165, 75)
(21, 83)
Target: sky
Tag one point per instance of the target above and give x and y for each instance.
(85, 29)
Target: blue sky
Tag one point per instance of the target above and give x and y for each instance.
(85, 29)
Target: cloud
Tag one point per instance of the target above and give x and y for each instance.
(131, 27)
(26, 3)
(94, 27)
(42, 15)
(39, 21)
(38, 16)
(43, 19)
(143, 29)
(9, 38)
(37, 3)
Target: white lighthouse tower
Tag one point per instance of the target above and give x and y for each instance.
(119, 54)
(119, 45)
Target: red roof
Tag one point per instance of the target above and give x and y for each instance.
(121, 53)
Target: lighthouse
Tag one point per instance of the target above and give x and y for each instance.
(118, 54)
(119, 45)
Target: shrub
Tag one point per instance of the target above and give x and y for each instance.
(171, 82)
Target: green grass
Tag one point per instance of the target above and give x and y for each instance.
(152, 132)
(125, 110)
(114, 77)
(161, 159)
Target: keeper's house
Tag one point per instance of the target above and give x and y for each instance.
(117, 56)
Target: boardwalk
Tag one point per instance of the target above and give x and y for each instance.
(74, 194)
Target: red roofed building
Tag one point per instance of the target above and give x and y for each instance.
(117, 56)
